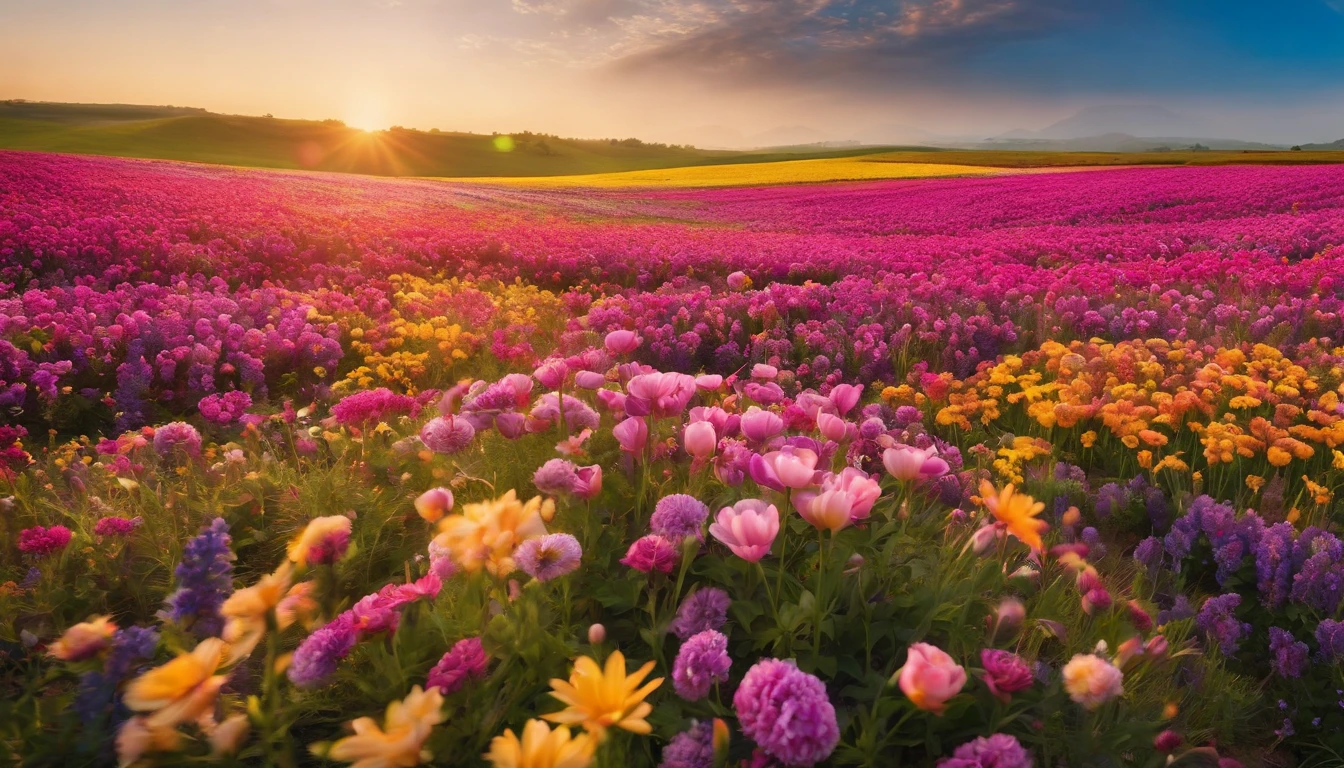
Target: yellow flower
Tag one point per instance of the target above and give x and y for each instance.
(541, 747)
(1017, 511)
(1089, 438)
(1278, 456)
(318, 533)
(84, 639)
(599, 699)
(400, 742)
(486, 534)
(181, 690)
(246, 609)
(1255, 482)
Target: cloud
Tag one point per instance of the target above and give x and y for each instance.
(752, 40)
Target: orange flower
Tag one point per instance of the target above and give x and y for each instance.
(400, 742)
(1017, 512)
(181, 690)
(601, 698)
(541, 747)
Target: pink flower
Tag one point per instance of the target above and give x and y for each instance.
(589, 482)
(833, 427)
(434, 504)
(930, 677)
(709, 382)
(1005, 673)
(660, 394)
(845, 397)
(843, 498)
(748, 528)
(632, 434)
(738, 281)
(552, 373)
(511, 425)
(466, 661)
(622, 342)
(44, 541)
(759, 426)
(907, 463)
(652, 552)
(116, 526)
(447, 434)
(589, 380)
(700, 440)
(789, 467)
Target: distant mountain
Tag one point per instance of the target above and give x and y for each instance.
(1338, 144)
(1142, 120)
(786, 136)
(1123, 142)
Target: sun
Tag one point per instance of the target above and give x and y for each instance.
(365, 111)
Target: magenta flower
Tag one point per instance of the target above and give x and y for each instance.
(786, 712)
(659, 394)
(632, 434)
(759, 426)
(652, 553)
(42, 541)
(622, 342)
(589, 482)
(466, 661)
(1006, 673)
(177, 437)
(998, 751)
(447, 434)
(116, 526)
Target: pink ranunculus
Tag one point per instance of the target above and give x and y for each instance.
(612, 400)
(845, 397)
(789, 467)
(759, 426)
(764, 372)
(632, 434)
(699, 439)
(748, 528)
(552, 373)
(511, 425)
(1005, 673)
(907, 463)
(622, 342)
(930, 677)
(709, 382)
(653, 553)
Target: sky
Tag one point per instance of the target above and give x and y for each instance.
(701, 71)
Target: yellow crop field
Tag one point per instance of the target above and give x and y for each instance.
(750, 174)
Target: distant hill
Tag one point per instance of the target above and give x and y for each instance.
(1140, 120)
(179, 133)
(1337, 144)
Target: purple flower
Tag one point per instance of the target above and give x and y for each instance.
(1330, 638)
(678, 516)
(556, 477)
(466, 661)
(447, 434)
(652, 552)
(1006, 673)
(204, 581)
(97, 693)
(318, 655)
(175, 437)
(549, 557)
(1218, 621)
(1290, 655)
(997, 751)
(1180, 609)
(1149, 554)
(1273, 564)
(701, 662)
(703, 609)
(693, 748)
(786, 712)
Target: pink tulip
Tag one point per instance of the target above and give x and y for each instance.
(709, 382)
(622, 342)
(589, 380)
(632, 434)
(611, 400)
(552, 373)
(833, 427)
(908, 463)
(850, 491)
(930, 677)
(700, 440)
(748, 528)
(759, 426)
(725, 424)
(789, 467)
(589, 482)
(521, 384)
(662, 394)
(845, 397)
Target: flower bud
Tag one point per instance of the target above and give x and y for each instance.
(597, 634)
(1156, 646)
(1097, 599)
(1009, 617)
(1167, 741)
(433, 504)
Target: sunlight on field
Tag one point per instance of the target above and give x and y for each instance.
(751, 174)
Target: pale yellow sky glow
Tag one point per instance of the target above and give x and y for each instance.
(711, 72)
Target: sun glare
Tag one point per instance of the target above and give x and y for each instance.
(365, 112)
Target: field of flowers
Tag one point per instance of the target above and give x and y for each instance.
(991, 472)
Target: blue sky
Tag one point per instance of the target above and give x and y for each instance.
(664, 69)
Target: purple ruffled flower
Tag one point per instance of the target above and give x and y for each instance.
(1149, 554)
(549, 557)
(318, 655)
(787, 713)
(998, 751)
(175, 437)
(701, 662)
(447, 434)
(556, 477)
(1218, 621)
(1330, 638)
(703, 609)
(693, 748)
(678, 516)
